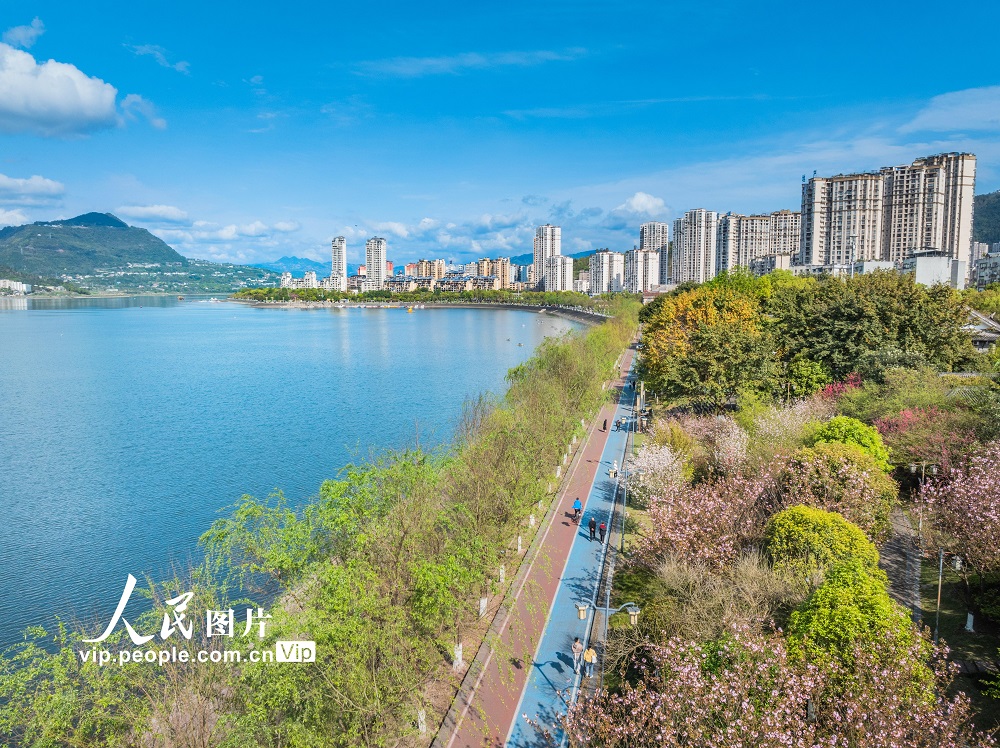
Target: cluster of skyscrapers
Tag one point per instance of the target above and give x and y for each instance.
(904, 217)
(916, 217)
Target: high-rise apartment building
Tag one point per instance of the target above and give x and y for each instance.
(548, 243)
(558, 273)
(929, 207)
(642, 270)
(501, 268)
(338, 263)
(375, 263)
(741, 240)
(607, 272)
(891, 214)
(694, 255)
(655, 236)
(431, 269)
(842, 219)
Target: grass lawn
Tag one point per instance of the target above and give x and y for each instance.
(981, 645)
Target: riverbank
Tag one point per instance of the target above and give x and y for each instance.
(579, 314)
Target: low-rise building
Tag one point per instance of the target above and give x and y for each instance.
(769, 263)
(484, 283)
(931, 268)
(425, 282)
(15, 287)
(986, 270)
(356, 283)
(454, 282)
(400, 284)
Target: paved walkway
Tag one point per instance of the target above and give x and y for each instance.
(543, 620)
(899, 558)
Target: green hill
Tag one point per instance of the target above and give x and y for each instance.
(80, 245)
(986, 218)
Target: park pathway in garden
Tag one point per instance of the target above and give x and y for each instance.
(525, 666)
(899, 558)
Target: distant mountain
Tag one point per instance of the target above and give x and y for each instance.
(295, 265)
(80, 245)
(986, 218)
(528, 258)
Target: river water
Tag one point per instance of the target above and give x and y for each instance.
(128, 425)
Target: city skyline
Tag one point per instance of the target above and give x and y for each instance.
(248, 136)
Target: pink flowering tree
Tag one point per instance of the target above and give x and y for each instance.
(710, 523)
(746, 691)
(841, 478)
(656, 470)
(929, 435)
(723, 443)
(965, 507)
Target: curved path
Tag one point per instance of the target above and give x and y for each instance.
(494, 706)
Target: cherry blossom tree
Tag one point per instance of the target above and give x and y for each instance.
(965, 507)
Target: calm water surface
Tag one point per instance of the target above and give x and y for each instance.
(126, 425)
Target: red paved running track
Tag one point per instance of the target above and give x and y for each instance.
(487, 720)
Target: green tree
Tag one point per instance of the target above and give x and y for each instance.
(847, 430)
(807, 539)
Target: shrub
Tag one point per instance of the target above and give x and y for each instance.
(850, 610)
(848, 430)
(842, 478)
(808, 539)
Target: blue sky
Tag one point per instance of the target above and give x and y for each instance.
(243, 132)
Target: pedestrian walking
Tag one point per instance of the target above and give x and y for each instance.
(577, 654)
(616, 424)
(605, 425)
(603, 529)
(589, 658)
(593, 528)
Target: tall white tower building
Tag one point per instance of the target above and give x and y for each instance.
(642, 270)
(559, 273)
(548, 243)
(655, 236)
(375, 263)
(338, 263)
(607, 272)
(694, 255)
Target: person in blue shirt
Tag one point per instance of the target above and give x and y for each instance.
(577, 508)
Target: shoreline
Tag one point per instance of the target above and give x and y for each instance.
(577, 314)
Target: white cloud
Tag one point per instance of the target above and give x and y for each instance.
(959, 111)
(160, 55)
(642, 203)
(166, 213)
(32, 189)
(12, 218)
(24, 36)
(392, 227)
(414, 67)
(51, 98)
(134, 104)
(287, 227)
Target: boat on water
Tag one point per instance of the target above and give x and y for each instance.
(180, 298)
(409, 310)
(214, 300)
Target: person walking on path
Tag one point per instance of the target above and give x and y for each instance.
(577, 654)
(593, 528)
(589, 657)
(604, 528)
